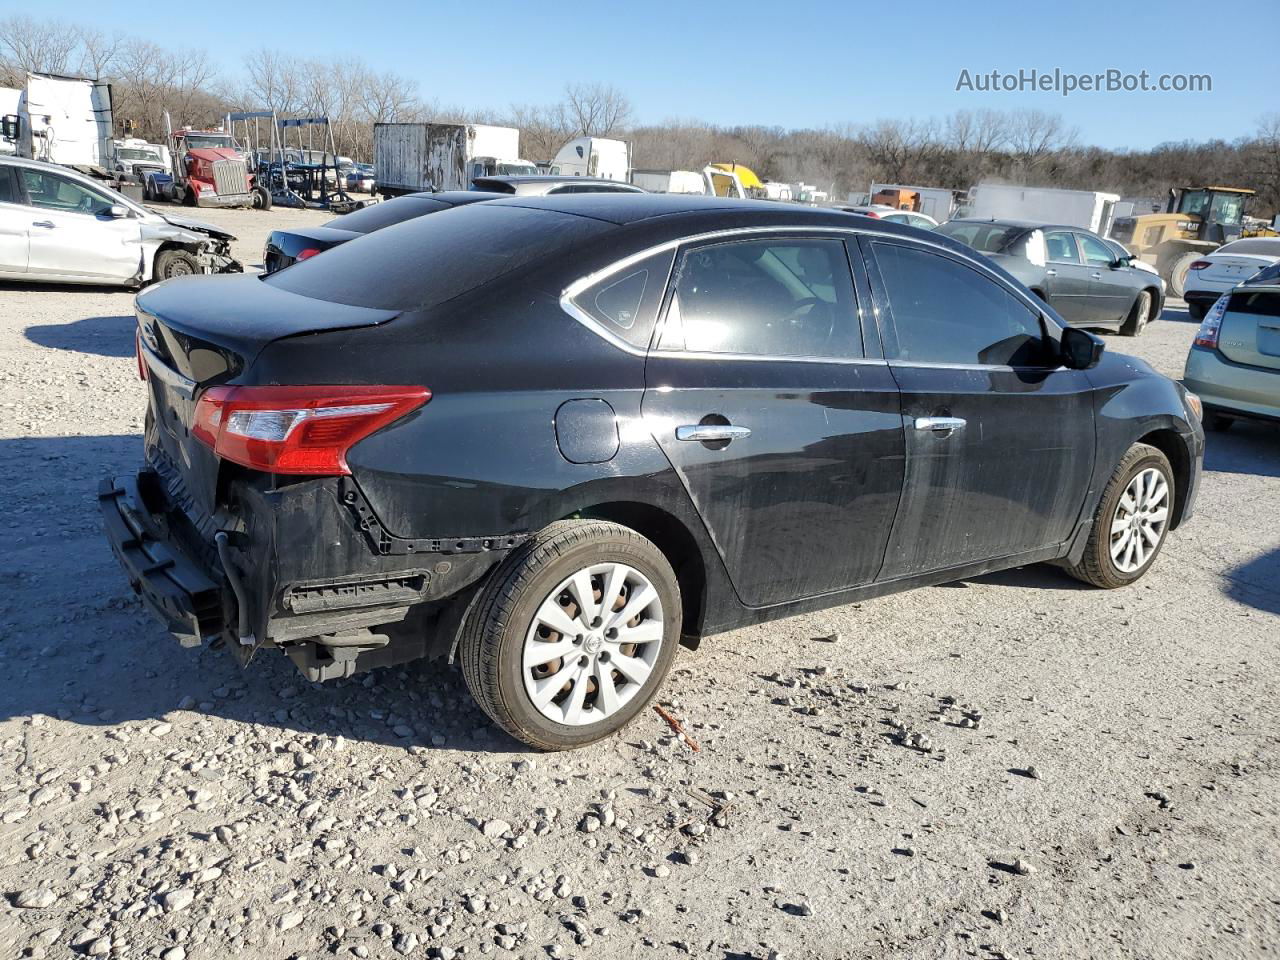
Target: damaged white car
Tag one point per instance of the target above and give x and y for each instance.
(59, 226)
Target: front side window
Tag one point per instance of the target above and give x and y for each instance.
(1061, 247)
(1227, 208)
(8, 189)
(626, 302)
(779, 297)
(1095, 251)
(51, 192)
(946, 312)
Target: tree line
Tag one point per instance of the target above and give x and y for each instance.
(963, 148)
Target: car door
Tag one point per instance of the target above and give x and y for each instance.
(15, 219)
(73, 234)
(1067, 278)
(999, 435)
(1112, 289)
(786, 435)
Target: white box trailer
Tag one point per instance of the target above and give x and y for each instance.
(66, 120)
(936, 202)
(669, 181)
(594, 157)
(412, 157)
(1088, 209)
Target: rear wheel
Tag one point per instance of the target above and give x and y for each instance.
(1131, 521)
(1196, 311)
(1138, 316)
(261, 198)
(573, 634)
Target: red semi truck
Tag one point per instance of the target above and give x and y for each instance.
(209, 170)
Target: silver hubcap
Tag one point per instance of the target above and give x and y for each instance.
(1140, 520)
(592, 644)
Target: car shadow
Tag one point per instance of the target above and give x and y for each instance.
(1037, 576)
(77, 644)
(1177, 315)
(104, 336)
(1256, 584)
(1250, 447)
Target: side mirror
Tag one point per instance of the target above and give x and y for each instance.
(1081, 350)
(117, 212)
(1120, 262)
(10, 126)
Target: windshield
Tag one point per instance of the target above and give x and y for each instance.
(517, 169)
(209, 141)
(1227, 208)
(1260, 246)
(986, 237)
(131, 154)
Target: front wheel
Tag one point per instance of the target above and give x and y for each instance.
(176, 263)
(261, 197)
(573, 634)
(1138, 316)
(1131, 521)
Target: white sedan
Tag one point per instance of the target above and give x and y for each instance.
(1232, 263)
(59, 226)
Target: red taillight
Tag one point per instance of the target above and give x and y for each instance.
(872, 214)
(1211, 326)
(306, 254)
(297, 430)
(1199, 265)
(137, 354)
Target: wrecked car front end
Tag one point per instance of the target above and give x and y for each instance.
(210, 246)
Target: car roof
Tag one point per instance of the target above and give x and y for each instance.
(625, 208)
(453, 198)
(552, 178)
(1023, 224)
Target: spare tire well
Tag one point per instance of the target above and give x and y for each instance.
(675, 542)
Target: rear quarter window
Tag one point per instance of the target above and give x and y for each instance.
(429, 260)
(625, 303)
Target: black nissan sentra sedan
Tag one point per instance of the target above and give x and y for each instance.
(285, 247)
(556, 437)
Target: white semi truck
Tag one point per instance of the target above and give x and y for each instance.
(63, 120)
(413, 157)
(594, 157)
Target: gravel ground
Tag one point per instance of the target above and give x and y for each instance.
(1095, 774)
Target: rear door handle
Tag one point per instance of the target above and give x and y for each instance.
(942, 426)
(43, 223)
(1095, 276)
(702, 432)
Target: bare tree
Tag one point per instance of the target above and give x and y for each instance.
(595, 109)
(96, 52)
(38, 46)
(1034, 136)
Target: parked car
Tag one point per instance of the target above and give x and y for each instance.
(556, 436)
(1077, 272)
(59, 226)
(893, 215)
(1234, 362)
(545, 185)
(285, 247)
(1124, 253)
(1212, 275)
(360, 178)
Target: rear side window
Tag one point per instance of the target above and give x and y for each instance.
(429, 260)
(777, 298)
(945, 312)
(1061, 247)
(626, 302)
(385, 214)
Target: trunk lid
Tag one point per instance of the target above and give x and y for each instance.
(1250, 330)
(200, 331)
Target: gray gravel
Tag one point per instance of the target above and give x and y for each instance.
(1009, 766)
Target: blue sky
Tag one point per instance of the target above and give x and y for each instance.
(790, 63)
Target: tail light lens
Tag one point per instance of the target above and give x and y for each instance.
(1199, 265)
(1211, 326)
(306, 254)
(298, 430)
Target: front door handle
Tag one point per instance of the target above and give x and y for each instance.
(1051, 273)
(940, 426)
(43, 223)
(1095, 276)
(704, 432)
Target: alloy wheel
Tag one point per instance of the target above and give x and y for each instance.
(1140, 520)
(592, 645)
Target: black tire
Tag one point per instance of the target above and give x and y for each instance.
(261, 197)
(1096, 567)
(1196, 311)
(1216, 422)
(492, 639)
(176, 263)
(1139, 315)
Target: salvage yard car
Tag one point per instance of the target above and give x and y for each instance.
(1078, 273)
(1234, 362)
(557, 437)
(1212, 275)
(59, 226)
(285, 247)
